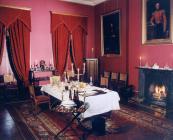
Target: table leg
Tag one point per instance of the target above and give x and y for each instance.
(68, 125)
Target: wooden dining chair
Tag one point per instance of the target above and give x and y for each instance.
(114, 80)
(114, 76)
(123, 79)
(54, 80)
(106, 74)
(39, 99)
(125, 91)
(104, 82)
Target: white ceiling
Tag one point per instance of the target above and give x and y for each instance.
(86, 2)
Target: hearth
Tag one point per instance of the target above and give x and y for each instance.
(156, 89)
(157, 94)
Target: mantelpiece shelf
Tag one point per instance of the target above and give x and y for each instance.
(151, 68)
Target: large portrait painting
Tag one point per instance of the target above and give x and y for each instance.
(110, 33)
(157, 21)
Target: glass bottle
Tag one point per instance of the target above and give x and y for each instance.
(70, 95)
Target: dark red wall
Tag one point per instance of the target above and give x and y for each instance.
(116, 63)
(160, 54)
(131, 41)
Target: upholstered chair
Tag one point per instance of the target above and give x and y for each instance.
(38, 100)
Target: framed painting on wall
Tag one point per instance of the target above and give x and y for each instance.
(156, 21)
(110, 33)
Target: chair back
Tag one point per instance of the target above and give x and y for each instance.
(123, 78)
(1, 79)
(54, 80)
(8, 78)
(31, 91)
(106, 74)
(70, 73)
(104, 81)
(114, 76)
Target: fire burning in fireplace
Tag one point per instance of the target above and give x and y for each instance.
(158, 92)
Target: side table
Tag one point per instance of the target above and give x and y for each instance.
(76, 111)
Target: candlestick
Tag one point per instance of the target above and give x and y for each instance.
(78, 77)
(68, 78)
(140, 59)
(78, 74)
(72, 67)
(83, 68)
(92, 50)
(64, 76)
(91, 83)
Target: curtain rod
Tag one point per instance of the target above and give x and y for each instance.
(67, 14)
(16, 7)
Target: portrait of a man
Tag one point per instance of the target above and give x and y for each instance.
(110, 33)
(156, 21)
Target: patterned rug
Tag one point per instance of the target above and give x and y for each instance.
(45, 125)
(144, 119)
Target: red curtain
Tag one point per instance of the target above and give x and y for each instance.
(2, 29)
(18, 23)
(60, 42)
(20, 47)
(78, 46)
(10, 15)
(75, 26)
(71, 22)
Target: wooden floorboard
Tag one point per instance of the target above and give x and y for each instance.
(12, 128)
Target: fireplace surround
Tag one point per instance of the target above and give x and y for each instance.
(156, 89)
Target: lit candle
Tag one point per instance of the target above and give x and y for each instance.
(65, 79)
(140, 59)
(72, 67)
(92, 51)
(77, 70)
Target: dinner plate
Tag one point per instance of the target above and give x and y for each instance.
(88, 93)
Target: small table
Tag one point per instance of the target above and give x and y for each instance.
(76, 111)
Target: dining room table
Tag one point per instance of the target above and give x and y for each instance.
(94, 100)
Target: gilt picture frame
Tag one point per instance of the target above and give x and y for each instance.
(157, 18)
(110, 34)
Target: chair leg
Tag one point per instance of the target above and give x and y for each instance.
(32, 106)
(36, 108)
(49, 106)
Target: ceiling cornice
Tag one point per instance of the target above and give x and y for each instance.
(86, 2)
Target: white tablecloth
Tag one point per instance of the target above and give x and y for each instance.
(98, 104)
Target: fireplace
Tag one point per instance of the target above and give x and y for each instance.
(156, 89)
(157, 94)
